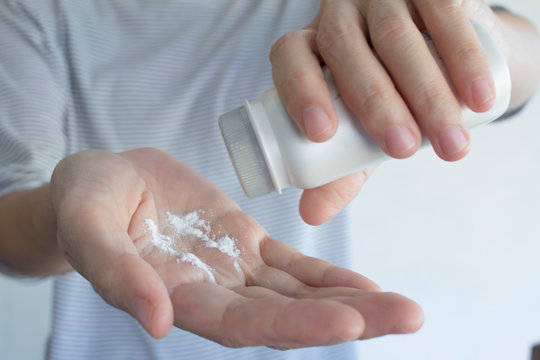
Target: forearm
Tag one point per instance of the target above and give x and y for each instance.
(28, 233)
(521, 45)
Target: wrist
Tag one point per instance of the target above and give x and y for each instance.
(43, 224)
(43, 219)
(28, 233)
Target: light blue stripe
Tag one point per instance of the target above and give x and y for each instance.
(120, 74)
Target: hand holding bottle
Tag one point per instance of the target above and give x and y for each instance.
(400, 92)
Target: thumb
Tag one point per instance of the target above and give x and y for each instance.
(319, 205)
(110, 262)
(92, 195)
(131, 284)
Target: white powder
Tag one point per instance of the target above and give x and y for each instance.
(194, 260)
(193, 225)
(189, 224)
(159, 240)
(227, 245)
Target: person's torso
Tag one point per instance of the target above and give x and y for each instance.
(158, 74)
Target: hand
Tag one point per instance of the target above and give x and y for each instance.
(105, 205)
(394, 97)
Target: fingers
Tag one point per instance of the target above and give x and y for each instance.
(131, 284)
(307, 270)
(362, 81)
(383, 313)
(462, 52)
(258, 315)
(233, 320)
(292, 301)
(387, 313)
(416, 74)
(321, 204)
(299, 79)
(393, 99)
(110, 262)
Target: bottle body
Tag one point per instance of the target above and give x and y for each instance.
(285, 157)
(302, 163)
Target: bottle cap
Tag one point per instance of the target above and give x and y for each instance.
(245, 152)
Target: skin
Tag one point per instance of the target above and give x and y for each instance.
(281, 298)
(404, 93)
(90, 217)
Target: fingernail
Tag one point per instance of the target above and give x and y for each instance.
(452, 140)
(481, 92)
(142, 310)
(316, 122)
(399, 140)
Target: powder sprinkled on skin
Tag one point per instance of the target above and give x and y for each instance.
(192, 224)
(159, 240)
(189, 224)
(227, 245)
(194, 260)
(165, 243)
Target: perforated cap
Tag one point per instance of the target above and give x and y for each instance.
(245, 153)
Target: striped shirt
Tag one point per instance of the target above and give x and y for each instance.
(124, 74)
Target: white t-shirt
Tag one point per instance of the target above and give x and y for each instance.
(124, 74)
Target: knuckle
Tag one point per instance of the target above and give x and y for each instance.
(371, 99)
(284, 43)
(335, 33)
(295, 259)
(102, 285)
(468, 53)
(388, 29)
(438, 6)
(329, 273)
(107, 280)
(230, 337)
(432, 95)
(447, 7)
(434, 100)
(299, 78)
(339, 197)
(374, 95)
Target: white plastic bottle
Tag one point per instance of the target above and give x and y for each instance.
(268, 150)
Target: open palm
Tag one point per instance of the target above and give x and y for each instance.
(217, 273)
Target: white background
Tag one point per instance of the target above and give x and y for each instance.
(462, 239)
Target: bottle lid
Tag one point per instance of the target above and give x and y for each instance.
(245, 152)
